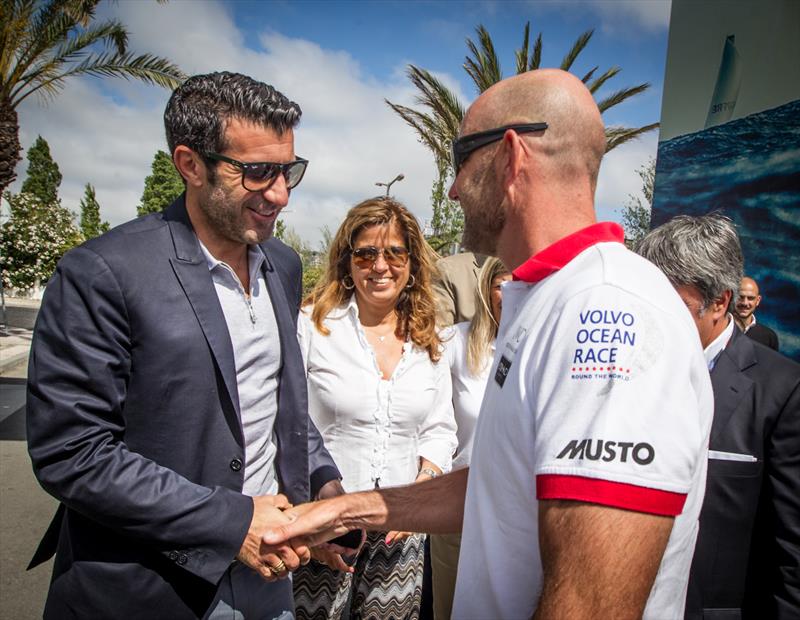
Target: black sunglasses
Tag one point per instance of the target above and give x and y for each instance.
(463, 146)
(258, 176)
(365, 257)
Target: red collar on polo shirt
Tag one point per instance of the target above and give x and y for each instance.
(558, 254)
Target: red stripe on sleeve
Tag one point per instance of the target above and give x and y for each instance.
(607, 493)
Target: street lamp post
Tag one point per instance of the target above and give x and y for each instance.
(388, 185)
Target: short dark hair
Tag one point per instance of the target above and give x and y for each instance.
(198, 111)
(701, 251)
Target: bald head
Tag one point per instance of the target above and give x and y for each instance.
(574, 141)
(747, 301)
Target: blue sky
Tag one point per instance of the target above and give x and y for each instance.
(339, 60)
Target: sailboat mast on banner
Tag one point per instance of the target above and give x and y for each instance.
(727, 89)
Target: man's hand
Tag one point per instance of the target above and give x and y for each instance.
(270, 562)
(327, 555)
(311, 524)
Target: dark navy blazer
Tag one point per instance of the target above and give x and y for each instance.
(134, 423)
(747, 558)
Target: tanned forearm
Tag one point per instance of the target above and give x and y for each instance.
(434, 506)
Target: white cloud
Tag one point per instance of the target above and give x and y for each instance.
(652, 15)
(618, 16)
(618, 178)
(106, 132)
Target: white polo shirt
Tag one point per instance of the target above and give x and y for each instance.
(599, 393)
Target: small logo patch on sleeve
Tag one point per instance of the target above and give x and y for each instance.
(502, 370)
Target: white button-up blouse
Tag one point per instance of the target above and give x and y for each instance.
(375, 429)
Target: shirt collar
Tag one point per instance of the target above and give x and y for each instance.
(753, 322)
(558, 254)
(255, 256)
(713, 350)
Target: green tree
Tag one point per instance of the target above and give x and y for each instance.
(280, 230)
(33, 240)
(44, 177)
(438, 121)
(91, 224)
(43, 43)
(635, 212)
(162, 186)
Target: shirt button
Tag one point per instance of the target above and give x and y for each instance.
(182, 559)
(173, 555)
(236, 464)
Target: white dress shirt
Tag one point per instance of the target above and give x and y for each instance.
(468, 389)
(375, 429)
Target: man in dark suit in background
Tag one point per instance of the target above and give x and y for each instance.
(167, 405)
(745, 314)
(747, 559)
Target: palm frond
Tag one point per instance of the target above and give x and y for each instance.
(52, 25)
(483, 67)
(435, 96)
(145, 68)
(598, 82)
(16, 17)
(615, 136)
(536, 58)
(619, 96)
(71, 50)
(589, 75)
(522, 53)
(422, 125)
(577, 48)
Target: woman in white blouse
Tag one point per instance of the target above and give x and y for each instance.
(470, 350)
(379, 397)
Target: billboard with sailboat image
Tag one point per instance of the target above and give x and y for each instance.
(730, 139)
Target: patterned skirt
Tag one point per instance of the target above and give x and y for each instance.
(386, 585)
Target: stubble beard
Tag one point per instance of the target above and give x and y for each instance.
(484, 216)
(224, 213)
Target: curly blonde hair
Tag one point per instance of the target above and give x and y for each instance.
(416, 305)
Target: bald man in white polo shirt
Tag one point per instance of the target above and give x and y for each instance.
(589, 460)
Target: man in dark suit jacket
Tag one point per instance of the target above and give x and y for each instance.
(140, 407)
(744, 312)
(747, 558)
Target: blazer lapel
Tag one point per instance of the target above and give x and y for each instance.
(192, 271)
(278, 298)
(728, 381)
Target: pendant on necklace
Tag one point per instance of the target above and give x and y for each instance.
(381, 338)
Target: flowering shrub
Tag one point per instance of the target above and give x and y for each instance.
(33, 240)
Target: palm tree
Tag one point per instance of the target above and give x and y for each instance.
(45, 42)
(438, 122)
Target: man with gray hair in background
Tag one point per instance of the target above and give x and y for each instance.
(747, 559)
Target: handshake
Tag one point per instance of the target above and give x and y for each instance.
(281, 537)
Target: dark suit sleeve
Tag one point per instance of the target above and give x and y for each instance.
(321, 467)
(783, 470)
(77, 380)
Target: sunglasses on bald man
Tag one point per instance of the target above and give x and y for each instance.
(465, 145)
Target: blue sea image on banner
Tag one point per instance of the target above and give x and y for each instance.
(748, 169)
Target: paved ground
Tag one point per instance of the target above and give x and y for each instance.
(25, 510)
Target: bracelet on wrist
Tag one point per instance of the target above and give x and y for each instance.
(428, 472)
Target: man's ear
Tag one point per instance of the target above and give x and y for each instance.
(189, 166)
(719, 307)
(513, 151)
